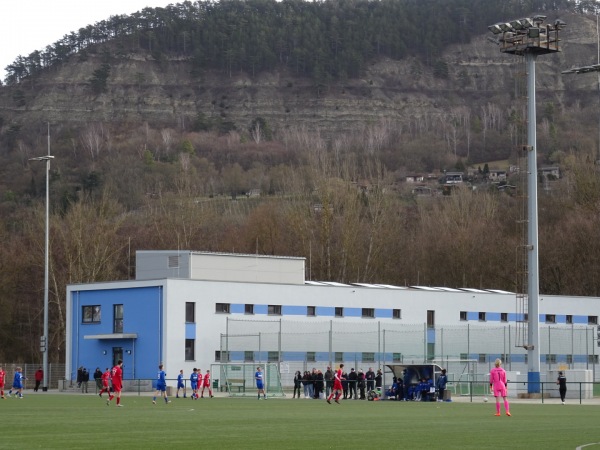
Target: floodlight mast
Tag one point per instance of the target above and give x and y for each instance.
(529, 37)
(44, 340)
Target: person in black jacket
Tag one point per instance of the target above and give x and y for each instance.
(319, 384)
(297, 383)
(562, 386)
(352, 380)
(98, 378)
(378, 381)
(345, 384)
(370, 377)
(360, 378)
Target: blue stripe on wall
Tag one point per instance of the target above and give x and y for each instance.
(325, 311)
(352, 312)
(261, 309)
(237, 308)
(383, 313)
(289, 310)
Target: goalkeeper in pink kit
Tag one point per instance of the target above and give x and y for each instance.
(498, 385)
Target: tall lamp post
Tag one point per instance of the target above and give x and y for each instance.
(44, 339)
(529, 37)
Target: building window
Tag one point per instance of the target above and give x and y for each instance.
(592, 320)
(526, 317)
(248, 309)
(397, 314)
(482, 358)
(118, 319)
(397, 357)
(339, 311)
(551, 359)
(550, 318)
(221, 356)
(430, 319)
(463, 316)
(593, 359)
(368, 357)
(368, 313)
(274, 310)
(311, 311)
(526, 355)
(464, 356)
(569, 359)
(273, 357)
(223, 308)
(482, 316)
(91, 314)
(503, 317)
(190, 348)
(311, 356)
(248, 355)
(190, 312)
(339, 357)
(569, 319)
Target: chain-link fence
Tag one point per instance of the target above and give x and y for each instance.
(464, 350)
(56, 373)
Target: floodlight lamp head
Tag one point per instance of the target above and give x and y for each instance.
(505, 27)
(559, 24)
(495, 29)
(538, 19)
(526, 22)
(515, 24)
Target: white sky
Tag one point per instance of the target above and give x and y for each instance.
(28, 25)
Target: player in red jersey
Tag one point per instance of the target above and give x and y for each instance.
(337, 386)
(206, 384)
(105, 382)
(117, 382)
(2, 377)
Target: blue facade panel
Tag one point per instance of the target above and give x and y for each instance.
(261, 309)
(325, 311)
(237, 308)
(472, 316)
(142, 315)
(190, 331)
(291, 310)
(352, 312)
(383, 313)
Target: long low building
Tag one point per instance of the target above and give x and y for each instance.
(190, 309)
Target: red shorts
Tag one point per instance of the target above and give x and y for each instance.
(117, 387)
(337, 386)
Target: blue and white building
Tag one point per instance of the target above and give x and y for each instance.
(193, 309)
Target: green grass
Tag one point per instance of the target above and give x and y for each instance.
(64, 421)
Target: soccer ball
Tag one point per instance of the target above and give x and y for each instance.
(485, 399)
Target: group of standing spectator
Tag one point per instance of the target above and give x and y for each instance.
(355, 384)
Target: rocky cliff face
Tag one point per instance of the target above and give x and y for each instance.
(140, 89)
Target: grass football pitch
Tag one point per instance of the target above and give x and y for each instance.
(64, 421)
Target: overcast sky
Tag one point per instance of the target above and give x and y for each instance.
(28, 25)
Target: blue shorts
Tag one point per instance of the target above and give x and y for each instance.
(180, 385)
(161, 387)
(194, 386)
(259, 385)
(17, 386)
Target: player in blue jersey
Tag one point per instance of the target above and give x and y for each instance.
(194, 384)
(17, 385)
(259, 377)
(180, 384)
(161, 385)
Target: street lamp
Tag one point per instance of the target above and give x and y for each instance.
(44, 341)
(529, 37)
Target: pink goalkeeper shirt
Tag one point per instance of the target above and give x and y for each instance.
(498, 381)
